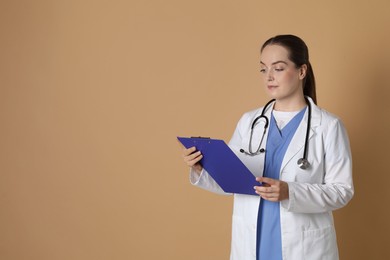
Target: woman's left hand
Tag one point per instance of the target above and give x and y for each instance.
(271, 189)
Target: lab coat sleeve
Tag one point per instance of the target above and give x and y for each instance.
(205, 181)
(337, 187)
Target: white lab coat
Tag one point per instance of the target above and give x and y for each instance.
(306, 217)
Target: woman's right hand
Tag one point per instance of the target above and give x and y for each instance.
(192, 158)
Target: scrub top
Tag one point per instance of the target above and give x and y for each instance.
(269, 242)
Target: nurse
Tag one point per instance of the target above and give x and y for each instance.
(291, 218)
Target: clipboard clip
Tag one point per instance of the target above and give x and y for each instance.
(200, 137)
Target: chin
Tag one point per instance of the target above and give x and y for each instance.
(273, 95)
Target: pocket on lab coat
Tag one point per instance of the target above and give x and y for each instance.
(320, 244)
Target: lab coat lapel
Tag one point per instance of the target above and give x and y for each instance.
(298, 141)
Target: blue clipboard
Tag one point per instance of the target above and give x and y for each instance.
(223, 165)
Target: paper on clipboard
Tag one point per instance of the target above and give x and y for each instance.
(223, 165)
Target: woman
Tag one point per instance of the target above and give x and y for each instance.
(292, 216)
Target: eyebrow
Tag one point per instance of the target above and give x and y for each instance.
(276, 62)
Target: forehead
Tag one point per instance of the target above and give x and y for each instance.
(274, 53)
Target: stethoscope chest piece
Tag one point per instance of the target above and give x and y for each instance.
(303, 163)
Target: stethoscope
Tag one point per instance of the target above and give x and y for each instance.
(303, 163)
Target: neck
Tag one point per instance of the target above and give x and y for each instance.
(290, 105)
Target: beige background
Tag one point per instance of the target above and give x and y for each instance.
(94, 93)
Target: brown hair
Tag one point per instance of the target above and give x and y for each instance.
(299, 54)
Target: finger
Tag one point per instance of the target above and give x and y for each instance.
(266, 195)
(260, 179)
(192, 156)
(270, 198)
(263, 189)
(189, 151)
(193, 159)
(196, 159)
(269, 181)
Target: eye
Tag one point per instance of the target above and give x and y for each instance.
(279, 69)
(262, 70)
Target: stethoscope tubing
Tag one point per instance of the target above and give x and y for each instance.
(303, 163)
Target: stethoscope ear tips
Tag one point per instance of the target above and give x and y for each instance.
(303, 163)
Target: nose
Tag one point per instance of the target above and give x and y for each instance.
(270, 76)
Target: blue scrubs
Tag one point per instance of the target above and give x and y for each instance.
(269, 242)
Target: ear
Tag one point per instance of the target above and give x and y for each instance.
(302, 71)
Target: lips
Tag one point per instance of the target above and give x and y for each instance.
(271, 87)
